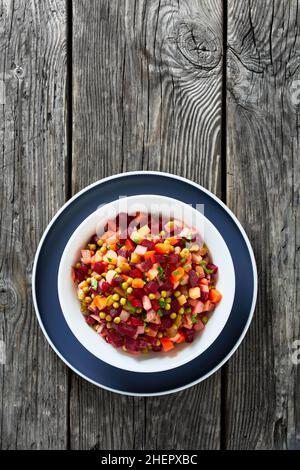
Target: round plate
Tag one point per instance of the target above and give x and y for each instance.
(53, 323)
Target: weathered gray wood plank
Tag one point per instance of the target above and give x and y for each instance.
(33, 409)
(263, 90)
(147, 95)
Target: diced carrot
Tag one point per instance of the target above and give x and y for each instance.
(138, 283)
(135, 258)
(215, 296)
(206, 306)
(203, 281)
(167, 344)
(113, 246)
(100, 302)
(164, 248)
(172, 240)
(177, 274)
(73, 274)
(129, 244)
(178, 338)
(149, 255)
(82, 284)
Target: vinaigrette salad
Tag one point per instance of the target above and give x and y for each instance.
(149, 287)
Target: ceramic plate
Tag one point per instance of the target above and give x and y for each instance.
(53, 322)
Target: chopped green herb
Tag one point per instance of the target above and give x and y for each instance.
(176, 273)
(115, 275)
(186, 265)
(109, 259)
(161, 271)
(203, 264)
(94, 284)
(183, 260)
(130, 307)
(119, 245)
(108, 247)
(194, 319)
(160, 313)
(162, 303)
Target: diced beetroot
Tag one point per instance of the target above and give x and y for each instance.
(139, 293)
(116, 281)
(99, 268)
(134, 321)
(213, 267)
(156, 348)
(154, 326)
(159, 258)
(173, 259)
(155, 305)
(168, 271)
(142, 343)
(193, 278)
(136, 273)
(175, 305)
(166, 322)
(132, 345)
(122, 252)
(151, 287)
(115, 312)
(105, 286)
(146, 265)
(151, 340)
(148, 243)
(125, 329)
(114, 339)
(204, 296)
(137, 303)
(90, 320)
(167, 285)
(81, 272)
(189, 335)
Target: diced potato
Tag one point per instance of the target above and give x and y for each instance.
(143, 231)
(181, 299)
(194, 293)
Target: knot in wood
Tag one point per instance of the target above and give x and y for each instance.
(198, 44)
(8, 298)
(18, 72)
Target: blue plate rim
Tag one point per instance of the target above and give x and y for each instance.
(235, 220)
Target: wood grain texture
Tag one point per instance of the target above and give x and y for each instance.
(32, 69)
(263, 97)
(147, 79)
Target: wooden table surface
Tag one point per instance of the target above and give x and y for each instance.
(206, 89)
